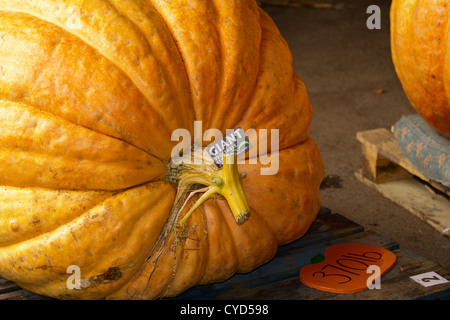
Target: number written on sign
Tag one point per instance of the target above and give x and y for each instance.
(348, 268)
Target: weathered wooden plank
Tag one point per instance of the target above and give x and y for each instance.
(403, 288)
(386, 169)
(421, 201)
(279, 279)
(376, 166)
(395, 285)
(397, 288)
(325, 227)
(7, 286)
(285, 265)
(384, 161)
(22, 295)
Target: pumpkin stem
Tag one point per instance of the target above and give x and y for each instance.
(232, 189)
(225, 181)
(187, 175)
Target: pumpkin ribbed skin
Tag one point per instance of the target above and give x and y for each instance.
(86, 117)
(421, 55)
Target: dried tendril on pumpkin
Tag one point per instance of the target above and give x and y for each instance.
(188, 174)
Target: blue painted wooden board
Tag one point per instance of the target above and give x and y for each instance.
(426, 148)
(279, 278)
(327, 230)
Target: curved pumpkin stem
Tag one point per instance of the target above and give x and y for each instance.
(225, 181)
(232, 189)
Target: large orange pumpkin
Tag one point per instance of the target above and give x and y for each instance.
(90, 93)
(421, 53)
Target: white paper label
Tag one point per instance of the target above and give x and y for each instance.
(236, 142)
(429, 279)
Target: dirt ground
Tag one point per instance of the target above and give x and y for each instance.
(343, 64)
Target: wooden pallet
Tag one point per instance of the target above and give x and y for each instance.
(386, 169)
(279, 279)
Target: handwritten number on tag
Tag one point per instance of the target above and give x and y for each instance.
(345, 268)
(430, 279)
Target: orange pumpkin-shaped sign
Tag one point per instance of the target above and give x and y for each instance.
(347, 268)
